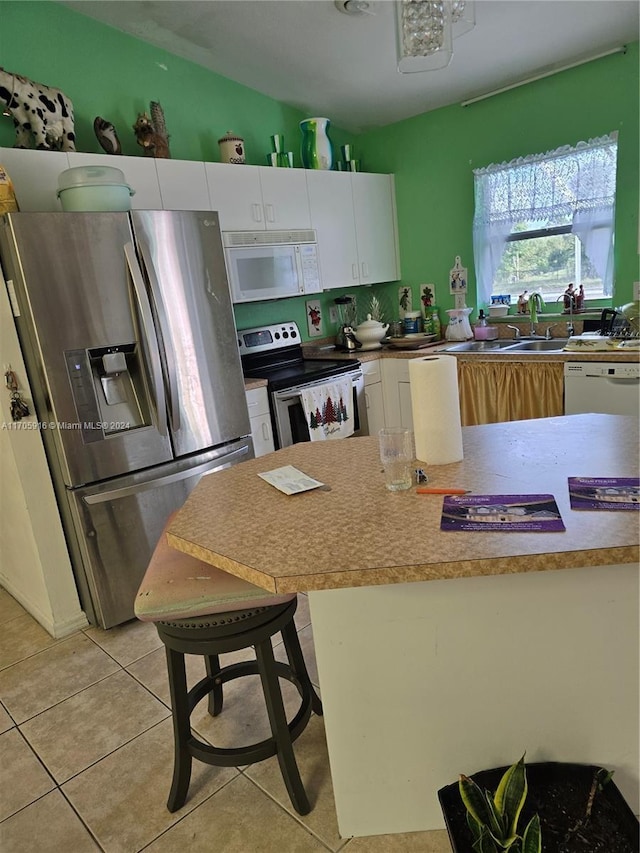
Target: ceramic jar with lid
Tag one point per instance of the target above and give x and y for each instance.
(370, 333)
(231, 148)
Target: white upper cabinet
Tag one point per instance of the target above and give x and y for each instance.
(285, 199)
(331, 204)
(34, 175)
(374, 210)
(355, 217)
(183, 185)
(139, 172)
(353, 213)
(258, 198)
(235, 192)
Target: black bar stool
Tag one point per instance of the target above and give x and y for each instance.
(201, 610)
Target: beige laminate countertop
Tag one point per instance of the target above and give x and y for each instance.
(321, 352)
(252, 384)
(359, 534)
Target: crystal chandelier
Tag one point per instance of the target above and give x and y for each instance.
(426, 29)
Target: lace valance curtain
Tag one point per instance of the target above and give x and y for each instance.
(569, 186)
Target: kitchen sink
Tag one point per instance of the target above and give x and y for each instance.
(479, 346)
(553, 345)
(509, 346)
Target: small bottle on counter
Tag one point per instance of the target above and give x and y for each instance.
(434, 322)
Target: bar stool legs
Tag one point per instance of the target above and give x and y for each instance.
(188, 637)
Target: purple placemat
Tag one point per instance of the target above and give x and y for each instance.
(608, 493)
(506, 513)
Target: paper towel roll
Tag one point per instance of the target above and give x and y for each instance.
(436, 409)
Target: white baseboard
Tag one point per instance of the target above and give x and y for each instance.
(57, 628)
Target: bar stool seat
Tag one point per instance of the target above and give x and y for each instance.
(201, 610)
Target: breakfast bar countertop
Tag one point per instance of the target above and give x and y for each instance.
(356, 533)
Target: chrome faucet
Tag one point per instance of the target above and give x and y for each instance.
(570, 326)
(517, 334)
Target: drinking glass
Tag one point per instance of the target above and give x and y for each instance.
(397, 457)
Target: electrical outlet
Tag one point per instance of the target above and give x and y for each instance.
(333, 314)
(636, 290)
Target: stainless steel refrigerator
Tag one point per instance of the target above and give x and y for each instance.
(127, 330)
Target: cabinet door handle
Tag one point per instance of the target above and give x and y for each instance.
(256, 213)
(270, 213)
(354, 272)
(365, 270)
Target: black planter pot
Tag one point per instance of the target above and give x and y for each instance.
(559, 793)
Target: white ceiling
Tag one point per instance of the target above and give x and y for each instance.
(308, 54)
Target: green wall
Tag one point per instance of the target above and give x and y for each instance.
(433, 155)
(110, 74)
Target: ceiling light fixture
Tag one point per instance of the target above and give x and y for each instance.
(426, 29)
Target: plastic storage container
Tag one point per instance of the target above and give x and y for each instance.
(412, 322)
(90, 188)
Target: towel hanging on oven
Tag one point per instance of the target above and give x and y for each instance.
(328, 408)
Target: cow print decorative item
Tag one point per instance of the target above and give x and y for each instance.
(42, 116)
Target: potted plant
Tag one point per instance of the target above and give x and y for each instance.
(551, 807)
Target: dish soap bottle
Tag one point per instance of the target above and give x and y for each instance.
(479, 330)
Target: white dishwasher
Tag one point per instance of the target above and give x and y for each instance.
(601, 386)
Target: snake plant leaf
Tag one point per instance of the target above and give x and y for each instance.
(487, 845)
(498, 826)
(511, 794)
(532, 838)
(474, 800)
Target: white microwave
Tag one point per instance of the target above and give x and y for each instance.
(271, 264)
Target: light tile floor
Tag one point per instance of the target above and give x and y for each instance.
(87, 755)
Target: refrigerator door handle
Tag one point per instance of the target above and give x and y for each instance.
(126, 491)
(150, 335)
(172, 375)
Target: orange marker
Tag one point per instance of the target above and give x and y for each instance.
(442, 491)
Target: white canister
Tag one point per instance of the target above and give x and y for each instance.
(231, 148)
(412, 322)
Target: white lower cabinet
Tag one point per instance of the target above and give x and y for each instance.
(261, 430)
(396, 392)
(373, 395)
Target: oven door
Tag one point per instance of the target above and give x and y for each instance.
(289, 417)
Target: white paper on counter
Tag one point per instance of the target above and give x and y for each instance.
(436, 409)
(290, 480)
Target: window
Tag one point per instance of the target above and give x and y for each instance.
(546, 220)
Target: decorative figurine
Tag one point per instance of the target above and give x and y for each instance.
(570, 297)
(523, 303)
(106, 135)
(151, 133)
(50, 128)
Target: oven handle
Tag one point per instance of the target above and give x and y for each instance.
(291, 393)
